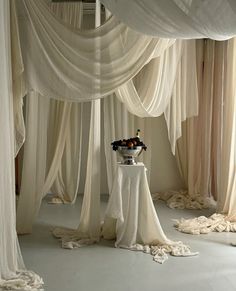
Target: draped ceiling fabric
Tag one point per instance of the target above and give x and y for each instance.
(67, 69)
(111, 62)
(215, 19)
(13, 275)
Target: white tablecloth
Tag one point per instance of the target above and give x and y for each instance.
(132, 219)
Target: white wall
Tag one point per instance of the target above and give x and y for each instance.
(164, 171)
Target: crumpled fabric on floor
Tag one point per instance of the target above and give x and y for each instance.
(203, 225)
(182, 200)
(24, 281)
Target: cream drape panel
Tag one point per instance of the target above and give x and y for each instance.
(66, 184)
(90, 214)
(178, 18)
(199, 148)
(19, 86)
(67, 70)
(89, 229)
(188, 146)
(12, 270)
(227, 184)
(184, 100)
(35, 146)
(35, 161)
(218, 144)
(52, 149)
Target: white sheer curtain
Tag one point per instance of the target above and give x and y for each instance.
(34, 168)
(227, 184)
(90, 223)
(167, 84)
(199, 149)
(214, 19)
(19, 86)
(52, 149)
(66, 185)
(12, 270)
(216, 157)
(67, 69)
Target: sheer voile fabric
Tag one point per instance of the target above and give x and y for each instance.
(198, 150)
(90, 214)
(12, 270)
(117, 54)
(65, 187)
(212, 135)
(215, 19)
(52, 151)
(167, 84)
(77, 65)
(19, 86)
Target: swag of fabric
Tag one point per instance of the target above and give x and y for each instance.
(178, 18)
(13, 274)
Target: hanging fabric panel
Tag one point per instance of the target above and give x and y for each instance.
(52, 149)
(13, 275)
(90, 223)
(227, 184)
(218, 144)
(66, 185)
(89, 229)
(35, 165)
(19, 86)
(184, 100)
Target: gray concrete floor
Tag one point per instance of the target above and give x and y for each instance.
(101, 267)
